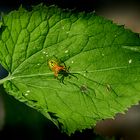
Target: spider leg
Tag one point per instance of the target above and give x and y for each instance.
(68, 68)
(73, 75)
(64, 64)
(62, 79)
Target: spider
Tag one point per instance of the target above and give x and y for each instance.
(58, 68)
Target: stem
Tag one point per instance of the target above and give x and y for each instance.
(5, 79)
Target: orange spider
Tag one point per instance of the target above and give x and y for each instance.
(59, 69)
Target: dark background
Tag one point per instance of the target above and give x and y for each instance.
(20, 122)
(88, 5)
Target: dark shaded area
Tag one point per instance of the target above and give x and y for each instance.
(73, 4)
(3, 72)
(86, 5)
(2, 28)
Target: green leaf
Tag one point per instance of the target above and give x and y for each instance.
(100, 54)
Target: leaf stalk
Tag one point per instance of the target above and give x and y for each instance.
(5, 79)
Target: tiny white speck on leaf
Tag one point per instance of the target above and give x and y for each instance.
(26, 94)
(28, 91)
(38, 64)
(66, 51)
(130, 61)
(72, 62)
(44, 52)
